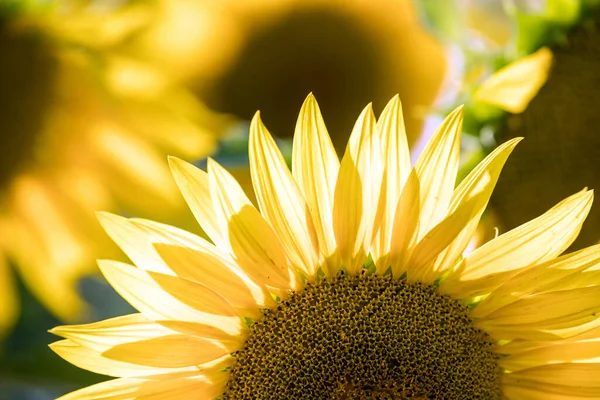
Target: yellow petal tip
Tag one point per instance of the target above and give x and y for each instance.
(174, 160)
(105, 217)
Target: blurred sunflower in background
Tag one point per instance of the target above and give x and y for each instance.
(240, 56)
(83, 127)
(347, 281)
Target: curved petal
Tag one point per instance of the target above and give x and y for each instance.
(396, 169)
(356, 193)
(526, 390)
(169, 351)
(315, 167)
(558, 274)
(194, 186)
(165, 297)
(132, 241)
(569, 352)
(211, 271)
(164, 387)
(90, 360)
(569, 379)
(537, 241)
(253, 241)
(280, 200)
(552, 310)
(427, 192)
(161, 234)
(405, 227)
(134, 339)
(139, 239)
(102, 335)
(467, 204)
(436, 168)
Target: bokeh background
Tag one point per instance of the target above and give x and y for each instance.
(95, 94)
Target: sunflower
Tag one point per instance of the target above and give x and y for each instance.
(348, 281)
(84, 128)
(346, 52)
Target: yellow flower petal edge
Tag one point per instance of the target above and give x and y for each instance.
(268, 301)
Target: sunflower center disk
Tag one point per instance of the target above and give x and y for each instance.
(366, 337)
(27, 78)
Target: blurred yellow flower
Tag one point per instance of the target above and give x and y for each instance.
(241, 55)
(347, 281)
(513, 87)
(84, 127)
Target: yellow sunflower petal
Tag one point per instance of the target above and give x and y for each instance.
(253, 241)
(113, 343)
(552, 275)
(419, 265)
(315, 167)
(548, 392)
(193, 294)
(163, 233)
(194, 186)
(527, 390)
(356, 193)
(102, 335)
(534, 334)
(553, 310)
(568, 379)
(397, 167)
(515, 347)
(479, 183)
(135, 339)
(426, 195)
(165, 297)
(405, 227)
(280, 200)
(132, 241)
(169, 351)
(168, 387)
(519, 346)
(436, 168)
(569, 352)
(168, 235)
(514, 86)
(532, 243)
(210, 270)
(138, 239)
(90, 360)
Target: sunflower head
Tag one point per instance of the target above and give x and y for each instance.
(243, 56)
(81, 120)
(347, 281)
(27, 72)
